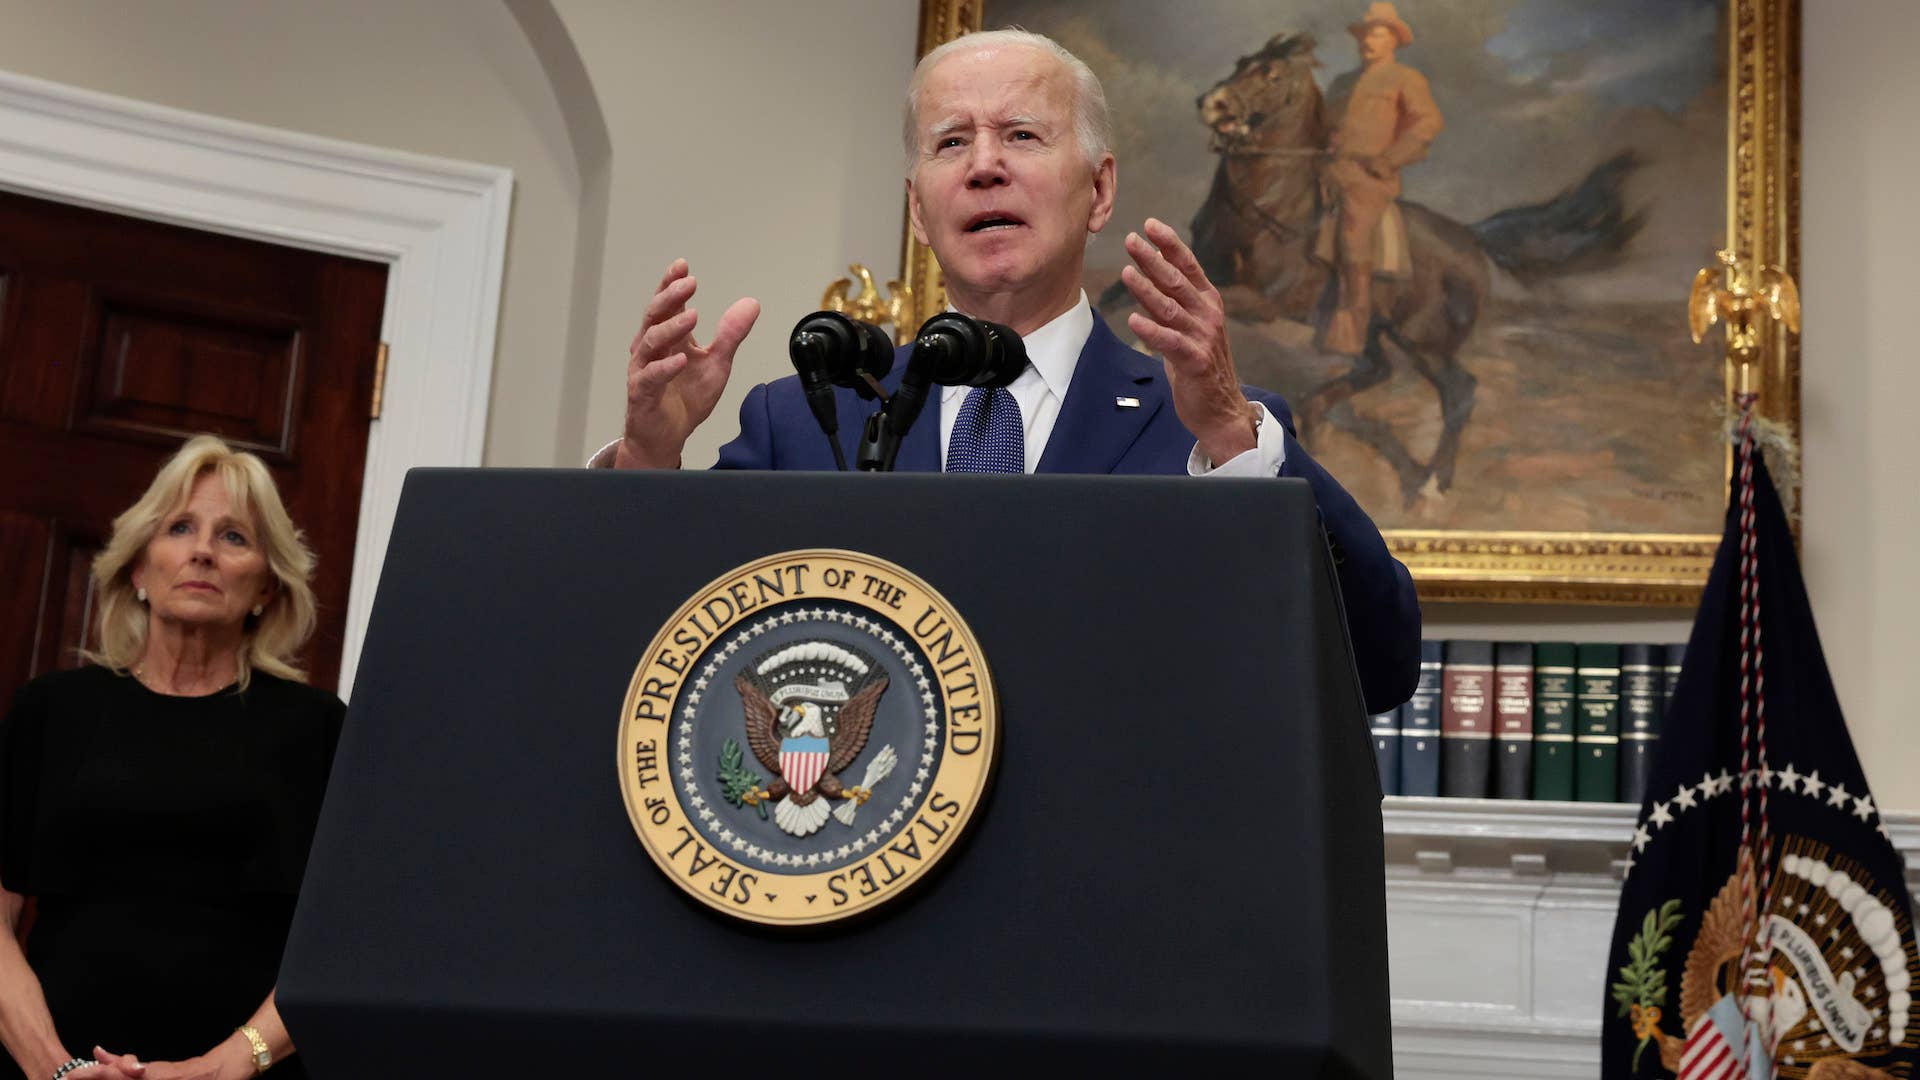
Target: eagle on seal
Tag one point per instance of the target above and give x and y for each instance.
(1779, 1006)
(772, 729)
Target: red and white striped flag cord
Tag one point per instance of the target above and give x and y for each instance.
(1756, 848)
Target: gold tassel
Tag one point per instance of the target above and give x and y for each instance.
(1778, 449)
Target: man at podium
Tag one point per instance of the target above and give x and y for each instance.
(1009, 169)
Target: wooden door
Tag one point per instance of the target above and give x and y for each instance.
(119, 339)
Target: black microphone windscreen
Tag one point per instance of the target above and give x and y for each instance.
(828, 347)
(876, 355)
(1006, 356)
(959, 350)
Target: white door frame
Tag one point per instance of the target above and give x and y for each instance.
(439, 225)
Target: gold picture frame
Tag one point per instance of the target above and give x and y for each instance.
(1762, 38)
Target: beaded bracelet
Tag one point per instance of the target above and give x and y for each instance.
(72, 1065)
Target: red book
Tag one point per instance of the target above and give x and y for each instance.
(1466, 719)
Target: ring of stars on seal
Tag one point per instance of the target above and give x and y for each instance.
(806, 737)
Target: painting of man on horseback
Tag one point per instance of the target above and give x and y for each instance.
(1449, 234)
(1325, 225)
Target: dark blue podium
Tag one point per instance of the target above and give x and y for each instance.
(1179, 865)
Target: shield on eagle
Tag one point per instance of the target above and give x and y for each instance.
(802, 761)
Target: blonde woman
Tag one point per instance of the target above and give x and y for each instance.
(158, 804)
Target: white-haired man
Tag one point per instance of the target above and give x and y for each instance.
(1008, 172)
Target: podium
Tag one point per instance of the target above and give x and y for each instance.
(1179, 863)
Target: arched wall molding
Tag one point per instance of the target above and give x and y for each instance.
(579, 103)
(567, 74)
(440, 225)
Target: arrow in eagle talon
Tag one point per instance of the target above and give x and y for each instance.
(877, 770)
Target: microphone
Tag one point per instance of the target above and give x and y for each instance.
(828, 349)
(963, 351)
(951, 350)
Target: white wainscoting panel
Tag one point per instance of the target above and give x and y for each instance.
(1499, 917)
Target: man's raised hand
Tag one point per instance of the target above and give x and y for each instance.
(673, 382)
(1182, 318)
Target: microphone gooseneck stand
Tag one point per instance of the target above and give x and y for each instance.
(951, 350)
(829, 349)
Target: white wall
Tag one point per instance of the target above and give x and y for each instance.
(1861, 378)
(758, 140)
(450, 78)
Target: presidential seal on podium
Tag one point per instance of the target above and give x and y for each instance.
(806, 737)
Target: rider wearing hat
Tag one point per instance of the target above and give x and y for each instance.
(1389, 121)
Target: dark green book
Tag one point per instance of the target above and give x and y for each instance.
(1596, 776)
(1553, 720)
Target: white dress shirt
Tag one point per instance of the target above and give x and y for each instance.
(1053, 351)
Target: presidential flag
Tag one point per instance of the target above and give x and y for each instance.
(1764, 926)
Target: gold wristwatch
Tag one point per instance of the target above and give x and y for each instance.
(262, 1056)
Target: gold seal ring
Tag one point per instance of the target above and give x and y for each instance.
(806, 737)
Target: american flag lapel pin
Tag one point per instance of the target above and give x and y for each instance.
(1126, 402)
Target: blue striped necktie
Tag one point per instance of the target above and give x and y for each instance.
(988, 436)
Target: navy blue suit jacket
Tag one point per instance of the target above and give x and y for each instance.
(1092, 435)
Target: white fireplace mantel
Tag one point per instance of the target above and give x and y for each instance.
(1499, 917)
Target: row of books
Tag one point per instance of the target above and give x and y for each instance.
(1529, 720)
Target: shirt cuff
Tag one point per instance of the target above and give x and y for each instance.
(603, 457)
(1268, 454)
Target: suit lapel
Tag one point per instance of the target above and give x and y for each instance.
(921, 450)
(1089, 436)
(1093, 430)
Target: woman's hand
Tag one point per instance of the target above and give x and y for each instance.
(111, 1066)
(231, 1060)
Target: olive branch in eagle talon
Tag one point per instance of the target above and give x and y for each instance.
(1642, 988)
(740, 785)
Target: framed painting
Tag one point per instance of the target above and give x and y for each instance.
(1519, 405)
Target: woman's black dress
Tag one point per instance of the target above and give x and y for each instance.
(163, 839)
